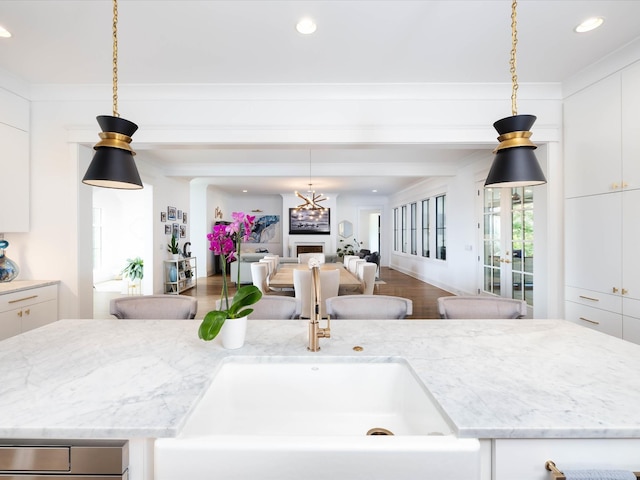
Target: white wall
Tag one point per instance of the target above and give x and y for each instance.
(458, 273)
(63, 130)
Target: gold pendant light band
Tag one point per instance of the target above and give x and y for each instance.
(514, 139)
(115, 140)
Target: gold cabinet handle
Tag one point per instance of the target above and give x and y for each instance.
(589, 298)
(27, 311)
(506, 260)
(625, 184)
(22, 299)
(20, 313)
(625, 291)
(590, 321)
(615, 290)
(615, 186)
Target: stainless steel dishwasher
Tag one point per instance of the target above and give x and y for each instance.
(64, 460)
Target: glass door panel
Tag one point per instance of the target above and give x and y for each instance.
(507, 261)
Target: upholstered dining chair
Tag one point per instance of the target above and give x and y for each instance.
(259, 274)
(162, 307)
(477, 307)
(275, 259)
(270, 263)
(329, 286)
(305, 257)
(273, 307)
(369, 307)
(367, 275)
(347, 258)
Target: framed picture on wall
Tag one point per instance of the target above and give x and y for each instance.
(175, 231)
(184, 217)
(167, 229)
(163, 216)
(179, 214)
(183, 231)
(266, 229)
(309, 222)
(171, 213)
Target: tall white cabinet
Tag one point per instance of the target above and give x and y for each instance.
(14, 163)
(602, 205)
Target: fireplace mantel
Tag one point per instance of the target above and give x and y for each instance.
(307, 247)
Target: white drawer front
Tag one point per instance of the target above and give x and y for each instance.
(601, 320)
(603, 301)
(631, 329)
(31, 296)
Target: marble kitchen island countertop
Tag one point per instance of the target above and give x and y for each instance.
(492, 378)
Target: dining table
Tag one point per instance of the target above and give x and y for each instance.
(283, 277)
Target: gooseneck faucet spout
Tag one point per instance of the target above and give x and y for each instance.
(315, 332)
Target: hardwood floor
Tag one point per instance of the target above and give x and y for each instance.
(395, 283)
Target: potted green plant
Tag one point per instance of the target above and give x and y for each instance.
(348, 248)
(174, 248)
(134, 271)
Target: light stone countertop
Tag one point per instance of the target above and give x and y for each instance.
(19, 285)
(493, 378)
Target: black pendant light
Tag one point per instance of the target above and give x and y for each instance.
(515, 164)
(112, 165)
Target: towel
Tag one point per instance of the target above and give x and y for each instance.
(599, 475)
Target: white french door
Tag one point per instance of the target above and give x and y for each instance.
(507, 243)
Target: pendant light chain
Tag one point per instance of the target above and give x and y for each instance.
(115, 58)
(512, 61)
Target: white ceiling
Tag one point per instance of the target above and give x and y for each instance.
(357, 41)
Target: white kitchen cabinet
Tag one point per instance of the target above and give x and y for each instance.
(14, 165)
(630, 286)
(602, 189)
(605, 321)
(593, 242)
(602, 263)
(525, 459)
(592, 122)
(14, 162)
(630, 127)
(27, 309)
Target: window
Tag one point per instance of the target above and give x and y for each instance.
(441, 228)
(395, 229)
(425, 229)
(403, 230)
(414, 229)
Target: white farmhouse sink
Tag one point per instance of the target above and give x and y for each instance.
(302, 417)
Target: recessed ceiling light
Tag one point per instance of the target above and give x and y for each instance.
(245, 191)
(589, 24)
(374, 191)
(4, 33)
(306, 26)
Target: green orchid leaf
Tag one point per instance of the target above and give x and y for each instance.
(245, 312)
(245, 296)
(211, 324)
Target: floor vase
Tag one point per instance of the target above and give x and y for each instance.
(233, 333)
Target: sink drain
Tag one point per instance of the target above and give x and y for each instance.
(379, 431)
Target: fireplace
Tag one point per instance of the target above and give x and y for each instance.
(315, 248)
